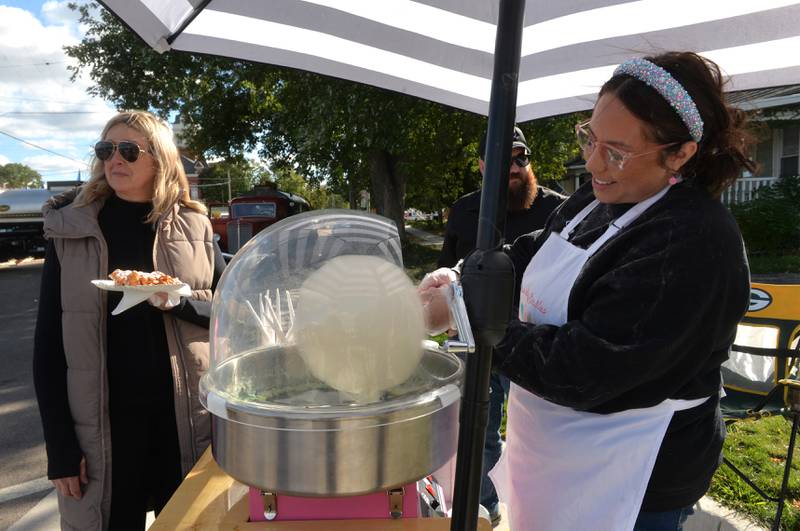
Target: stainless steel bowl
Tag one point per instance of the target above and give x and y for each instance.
(276, 429)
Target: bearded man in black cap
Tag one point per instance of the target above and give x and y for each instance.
(528, 207)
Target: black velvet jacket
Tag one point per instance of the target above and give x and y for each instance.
(651, 316)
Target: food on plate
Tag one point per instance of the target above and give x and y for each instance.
(124, 277)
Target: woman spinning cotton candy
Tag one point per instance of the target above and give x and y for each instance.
(628, 303)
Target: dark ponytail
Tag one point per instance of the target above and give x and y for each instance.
(722, 153)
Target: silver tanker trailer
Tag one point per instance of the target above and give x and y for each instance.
(21, 218)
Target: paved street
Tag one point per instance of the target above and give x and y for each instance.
(22, 457)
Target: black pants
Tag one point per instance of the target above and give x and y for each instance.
(145, 462)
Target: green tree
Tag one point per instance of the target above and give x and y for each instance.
(552, 142)
(15, 175)
(318, 195)
(213, 180)
(348, 135)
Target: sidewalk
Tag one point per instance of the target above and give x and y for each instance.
(711, 516)
(708, 516)
(44, 516)
(425, 238)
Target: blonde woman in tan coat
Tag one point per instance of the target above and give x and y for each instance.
(118, 394)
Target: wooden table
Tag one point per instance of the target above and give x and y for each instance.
(201, 502)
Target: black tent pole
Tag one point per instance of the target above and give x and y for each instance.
(488, 275)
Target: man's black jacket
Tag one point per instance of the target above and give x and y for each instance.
(462, 225)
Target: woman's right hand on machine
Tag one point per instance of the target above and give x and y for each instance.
(434, 290)
(71, 486)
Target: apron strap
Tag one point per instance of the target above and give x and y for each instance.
(577, 219)
(625, 219)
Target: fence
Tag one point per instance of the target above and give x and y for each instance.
(744, 189)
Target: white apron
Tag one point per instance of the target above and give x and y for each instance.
(562, 469)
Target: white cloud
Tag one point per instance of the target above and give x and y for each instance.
(47, 164)
(38, 101)
(60, 145)
(4, 160)
(58, 13)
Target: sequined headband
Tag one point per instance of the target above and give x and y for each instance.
(669, 88)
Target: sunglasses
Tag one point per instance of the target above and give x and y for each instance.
(128, 150)
(521, 160)
(614, 156)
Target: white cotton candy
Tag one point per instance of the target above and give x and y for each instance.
(359, 325)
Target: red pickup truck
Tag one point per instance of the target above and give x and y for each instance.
(245, 216)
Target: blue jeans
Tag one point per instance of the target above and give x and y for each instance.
(663, 521)
(493, 446)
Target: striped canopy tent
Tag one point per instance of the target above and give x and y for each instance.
(513, 60)
(442, 50)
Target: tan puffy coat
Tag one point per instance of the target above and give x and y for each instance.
(183, 248)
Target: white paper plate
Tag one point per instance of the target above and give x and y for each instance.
(133, 295)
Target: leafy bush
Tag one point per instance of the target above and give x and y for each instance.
(770, 223)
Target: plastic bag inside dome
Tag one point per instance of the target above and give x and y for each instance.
(317, 311)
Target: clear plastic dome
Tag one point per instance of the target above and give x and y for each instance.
(330, 287)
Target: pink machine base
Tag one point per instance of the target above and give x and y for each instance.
(374, 505)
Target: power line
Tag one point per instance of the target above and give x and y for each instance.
(46, 63)
(76, 102)
(54, 172)
(34, 113)
(40, 147)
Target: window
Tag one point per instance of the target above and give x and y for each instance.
(219, 211)
(763, 156)
(260, 210)
(790, 151)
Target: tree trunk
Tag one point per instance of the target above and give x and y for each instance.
(352, 194)
(388, 187)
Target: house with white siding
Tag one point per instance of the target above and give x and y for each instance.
(777, 110)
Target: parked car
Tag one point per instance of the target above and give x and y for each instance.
(21, 218)
(245, 216)
(413, 214)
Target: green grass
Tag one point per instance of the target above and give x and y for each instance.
(759, 450)
(772, 264)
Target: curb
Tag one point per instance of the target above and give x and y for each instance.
(711, 516)
(24, 263)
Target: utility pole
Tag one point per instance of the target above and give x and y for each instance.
(229, 186)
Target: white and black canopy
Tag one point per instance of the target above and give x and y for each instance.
(442, 50)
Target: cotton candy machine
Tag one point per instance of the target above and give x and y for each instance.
(319, 386)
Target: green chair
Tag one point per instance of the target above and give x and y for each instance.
(760, 378)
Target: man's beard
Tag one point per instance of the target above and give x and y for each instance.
(522, 192)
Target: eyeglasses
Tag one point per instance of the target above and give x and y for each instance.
(614, 156)
(521, 160)
(129, 151)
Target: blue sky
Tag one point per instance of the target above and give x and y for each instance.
(38, 102)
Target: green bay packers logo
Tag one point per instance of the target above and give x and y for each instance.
(4, 208)
(759, 299)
